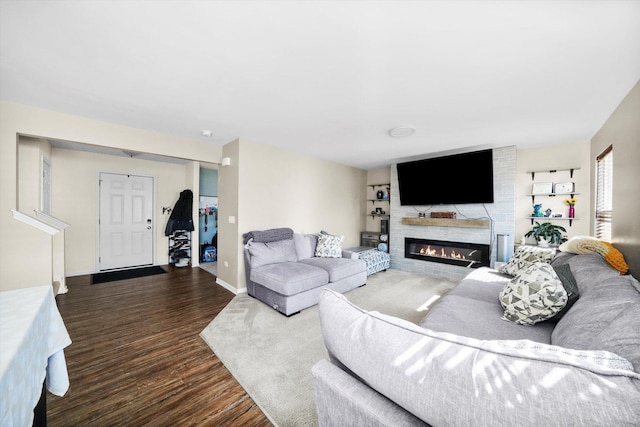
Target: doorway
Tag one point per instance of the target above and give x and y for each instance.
(45, 202)
(125, 222)
(208, 220)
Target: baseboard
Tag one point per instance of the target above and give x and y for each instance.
(230, 288)
(79, 273)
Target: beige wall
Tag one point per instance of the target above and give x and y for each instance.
(554, 157)
(25, 253)
(622, 130)
(281, 188)
(75, 200)
(230, 268)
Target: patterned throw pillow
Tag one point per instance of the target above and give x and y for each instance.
(535, 295)
(329, 246)
(525, 256)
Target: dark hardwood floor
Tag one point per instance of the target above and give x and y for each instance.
(137, 357)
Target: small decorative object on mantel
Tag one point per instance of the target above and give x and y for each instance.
(571, 203)
(451, 215)
(422, 215)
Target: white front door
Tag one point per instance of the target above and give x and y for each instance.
(126, 221)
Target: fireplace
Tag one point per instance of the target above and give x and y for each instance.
(470, 255)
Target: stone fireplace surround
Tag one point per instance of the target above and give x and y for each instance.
(501, 212)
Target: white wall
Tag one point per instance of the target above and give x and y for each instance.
(622, 130)
(75, 197)
(281, 188)
(554, 157)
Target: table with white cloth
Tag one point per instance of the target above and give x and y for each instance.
(32, 342)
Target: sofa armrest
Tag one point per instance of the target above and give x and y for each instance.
(342, 399)
(447, 379)
(349, 254)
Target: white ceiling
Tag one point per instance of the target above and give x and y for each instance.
(329, 78)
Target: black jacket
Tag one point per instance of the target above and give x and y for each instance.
(182, 214)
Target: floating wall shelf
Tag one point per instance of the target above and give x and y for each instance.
(448, 222)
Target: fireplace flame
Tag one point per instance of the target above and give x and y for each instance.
(434, 252)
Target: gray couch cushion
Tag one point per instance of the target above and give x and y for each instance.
(622, 336)
(604, 295)
(599, 304)
(305, 245)
(482, 320)
(289, 278)
(338, 268)
(446, 379)
(272, 252)
(483, 284)
(590, 270)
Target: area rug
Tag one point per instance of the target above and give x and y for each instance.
(271, 355)
(112, 276)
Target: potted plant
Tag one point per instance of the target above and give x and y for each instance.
(547, 234)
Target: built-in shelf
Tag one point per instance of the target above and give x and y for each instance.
(547, 218)
(447, 222)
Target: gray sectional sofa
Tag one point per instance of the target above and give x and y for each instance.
(465, 365)
(283, 271)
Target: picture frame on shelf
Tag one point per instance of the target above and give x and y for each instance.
(564, 188)
(542, 188)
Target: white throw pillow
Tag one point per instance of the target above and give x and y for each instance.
(329, 246)
(533, 296)
(572, 245)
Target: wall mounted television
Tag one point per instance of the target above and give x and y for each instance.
(455, 179)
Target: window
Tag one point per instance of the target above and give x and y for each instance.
(604, 194)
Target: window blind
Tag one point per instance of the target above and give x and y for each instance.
(604, 193)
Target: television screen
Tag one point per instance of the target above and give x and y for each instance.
(455, 179)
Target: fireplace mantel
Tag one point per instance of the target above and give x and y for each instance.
(447, 222)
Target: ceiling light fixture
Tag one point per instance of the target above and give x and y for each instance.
(207, 133)
(401, 131)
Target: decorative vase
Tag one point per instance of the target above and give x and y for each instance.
(572, 212)
(543, 242)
